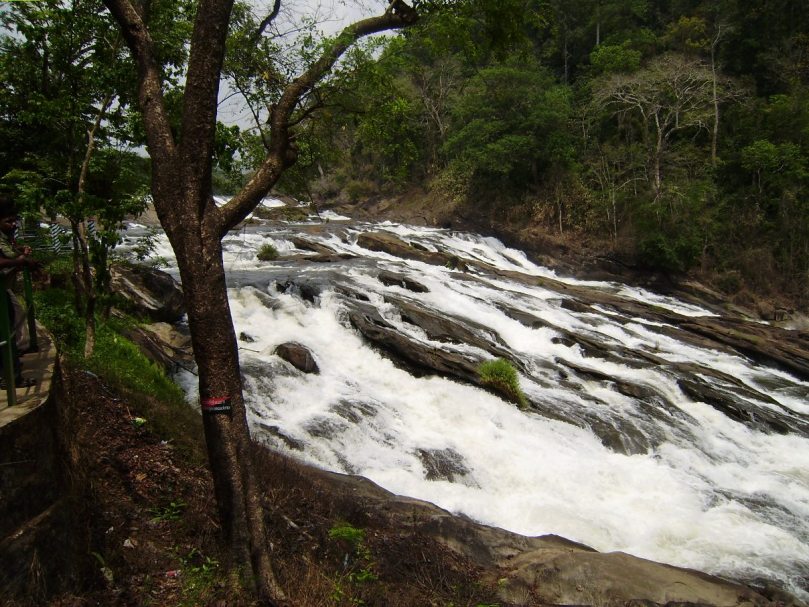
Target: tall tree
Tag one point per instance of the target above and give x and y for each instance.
(64, 94)
(195, 226)
(670, 96)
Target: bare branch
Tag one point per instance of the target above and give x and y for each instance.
(267, 20)
(282, 154)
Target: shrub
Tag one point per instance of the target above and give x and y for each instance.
(359, 189)
(347, 533)
(730, 282)
(500, 376)
(267, 252)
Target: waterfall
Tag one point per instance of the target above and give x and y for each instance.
(649, 430)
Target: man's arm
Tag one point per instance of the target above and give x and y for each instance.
(21, 261)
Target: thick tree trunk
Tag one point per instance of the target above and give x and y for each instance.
(224, 414)
(181, 187)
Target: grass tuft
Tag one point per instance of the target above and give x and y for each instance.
(267, 252)
(501, 376)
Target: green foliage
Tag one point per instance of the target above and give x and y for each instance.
(56, 310)
(115, 358)
(510, 126)
(390, 135)
(201, 575)
(610, 59)
(145, 247)
(668, 252)
(501, 376)
(347, 533)
(267, 252)
(359, 562)
(171, 511)
(121, 362)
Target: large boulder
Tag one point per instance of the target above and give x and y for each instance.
(298, 356)
(152, 292)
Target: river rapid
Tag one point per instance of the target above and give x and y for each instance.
(641, 436)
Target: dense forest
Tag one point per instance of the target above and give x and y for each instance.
(673, 133)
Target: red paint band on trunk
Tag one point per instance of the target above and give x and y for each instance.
(218, 404)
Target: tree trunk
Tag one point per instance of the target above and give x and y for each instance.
(181, 188)
(83, 282)
(224, 414)
(80, 233)
(658, 158)
(715, 96)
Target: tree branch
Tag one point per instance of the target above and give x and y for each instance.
(200, 99)
(282, 154)
(267, 20)
(160, 140)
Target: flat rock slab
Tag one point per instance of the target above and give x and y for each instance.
(548, 569)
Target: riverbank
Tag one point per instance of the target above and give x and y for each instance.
(138, 484)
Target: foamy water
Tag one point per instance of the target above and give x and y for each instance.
(710, 493)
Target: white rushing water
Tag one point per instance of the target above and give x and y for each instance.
(709, 493)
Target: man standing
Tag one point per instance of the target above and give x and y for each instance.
(13, 258)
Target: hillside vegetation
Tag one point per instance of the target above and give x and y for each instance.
(672, 134)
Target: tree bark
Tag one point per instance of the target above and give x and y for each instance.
(226, 432)
(195, 226)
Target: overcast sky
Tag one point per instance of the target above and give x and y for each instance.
(331, 16)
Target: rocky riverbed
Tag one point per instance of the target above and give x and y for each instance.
(383, 300)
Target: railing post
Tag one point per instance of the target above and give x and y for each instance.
(33, 346)
(6, 353)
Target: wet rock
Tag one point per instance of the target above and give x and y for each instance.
(330, 258)
(305, 290)
(275, 431)
(299, 356)
(450, 329)
(308, 245)
(152, 292)
(392, 279)
(393, 245)
(416, 357)
(574, 305)
(442, 464)
(325, 427)
(354, 411)
(729, 402)
(167, 345)
(351, 293)
(784, 349)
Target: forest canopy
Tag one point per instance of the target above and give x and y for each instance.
(673, 133)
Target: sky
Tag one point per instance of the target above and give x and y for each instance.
(330, 15)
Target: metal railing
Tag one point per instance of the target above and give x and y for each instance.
(7, 336)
